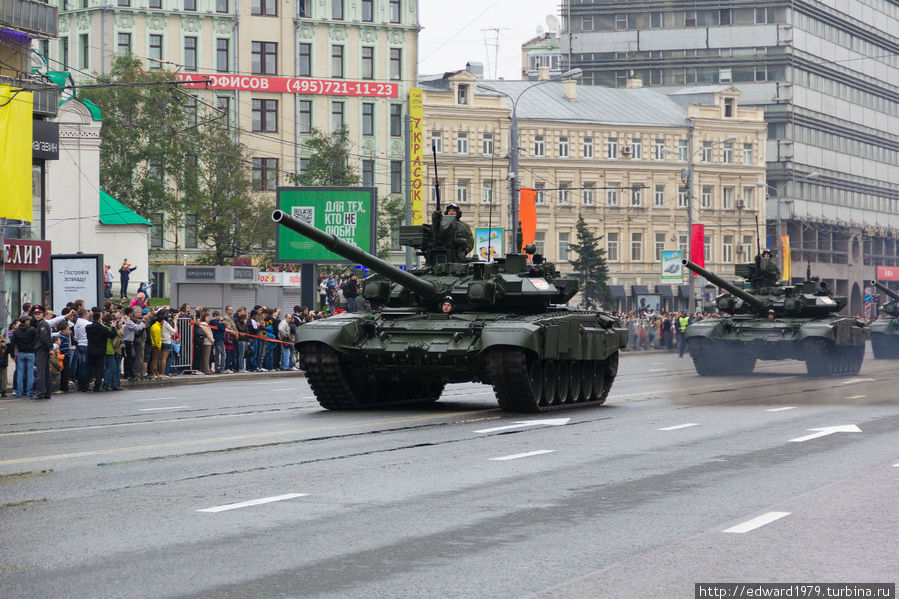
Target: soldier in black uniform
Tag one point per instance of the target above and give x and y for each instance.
(461, 235)
(767, 274)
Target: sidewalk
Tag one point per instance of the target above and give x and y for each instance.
(199, 379)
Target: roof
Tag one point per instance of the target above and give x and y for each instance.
(594, 104)
(93, 108)
(113, 212)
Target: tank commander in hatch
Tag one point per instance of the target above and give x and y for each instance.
(460, 234)
(768, 272)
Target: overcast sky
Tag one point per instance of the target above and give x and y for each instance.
(453, 33)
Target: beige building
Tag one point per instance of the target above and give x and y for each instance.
(279, 69)
(619, 157)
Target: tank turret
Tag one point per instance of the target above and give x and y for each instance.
(757, 304)
(891, 307)
(885, 330)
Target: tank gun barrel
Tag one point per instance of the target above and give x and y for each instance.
(424, 288)
(750, 299)
(886, 290)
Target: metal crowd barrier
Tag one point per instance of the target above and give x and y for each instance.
(184, 360)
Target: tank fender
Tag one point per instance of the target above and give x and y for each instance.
(712, 328)
(336, 331)
(512, 334)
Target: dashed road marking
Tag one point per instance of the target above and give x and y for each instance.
(166, 408)
(679, 426)
(856, 396)
(756, 522)
(252, 502)
(781, 409)
(522, 455)
(156, 398)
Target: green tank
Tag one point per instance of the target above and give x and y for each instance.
(885, 330)
(509, 326)
(775, 322)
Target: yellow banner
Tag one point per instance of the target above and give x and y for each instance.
(15, 153)
(785, 252)
(416, 143)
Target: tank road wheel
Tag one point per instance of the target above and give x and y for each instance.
(587, 369)
(564, 377)
(537, 378)
(857, 356)
(575, 389)
(605, 372)
(333, 385)
(550, 383)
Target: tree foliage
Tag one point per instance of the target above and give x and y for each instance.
(590, 266)
(329, 164)
(391, 211)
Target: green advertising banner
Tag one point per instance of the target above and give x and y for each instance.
(349, 213)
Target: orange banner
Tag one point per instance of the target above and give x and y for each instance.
(527, 214)
(785, 253)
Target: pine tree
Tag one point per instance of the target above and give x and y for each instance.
(590, 267)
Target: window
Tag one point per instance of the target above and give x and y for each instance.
(746, 246)
(706, 197)
(747, 154)
(305, 64)
(190, 231)
(462, 94)
(487, 192)
(612, 194)
(265, 174)
(156, 231)
(368, 62)
(368, 11)
(636, 247)
(729, 107)
(747, 198)
(728, 198)
(437, 141)
(541, 194)
(368, 173)
(487, 144)
(462, 191)
(587, 197)
(305, 122)
(563, 147)
(727, 248)
(155, 4)
(588, 147)
(659, 197)
(222, 55)
(434, 189)
(337, 61)
(337, 10)
(396, 176)
(396, 120)
(564, 193)
(563, 246)
(636, 195)
(660, 246)
(124, 44)
(368, 118)
(682, 245)
(706, 151)
(620, 22)
(637, 148)
(540, 242)
(462, 143)
(394, 11)
(85, 51)
(190, 5)
(265, 115)
(396, 64)
(707, 248)
(337, 116)
(612, 247)
(682, 198)
(682, 150)
(124, 3)
(221, 5)
(728, 153)
(612, 147)
(64, 51)
(264, 59)
(190, 109)
(657, 149)
(190, 54)
(223, 105)
(539, 148)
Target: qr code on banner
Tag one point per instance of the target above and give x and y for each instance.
(304, 213)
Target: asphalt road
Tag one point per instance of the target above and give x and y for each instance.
(248, 489)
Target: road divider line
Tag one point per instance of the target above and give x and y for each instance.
(852, 381)
(679, 426)
(166, 408)
(156, 398)
(827, 430)
(756, 522)
(781, 409)
(525, 424)
(252, 502)
(856, 396)
(522, 455)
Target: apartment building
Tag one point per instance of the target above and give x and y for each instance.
(616, 156)
(278, 69)
(827, 76)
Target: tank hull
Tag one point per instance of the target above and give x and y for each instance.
(726, 346)
(885, 338)
(405, 356)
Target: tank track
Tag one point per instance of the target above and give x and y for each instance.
(885, 346)
(539, 386)
(824, 359)
(716, 359)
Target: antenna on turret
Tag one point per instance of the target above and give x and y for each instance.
(758, 236)
(808, 271)
(437, 178)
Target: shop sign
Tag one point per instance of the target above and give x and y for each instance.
(27, 254)
(290, 85)
(281, 279)
(204, 273)
(45, 140)
(244, 273)
(888, 273)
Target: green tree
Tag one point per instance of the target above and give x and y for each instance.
(329, 164)
(391, 211)
(590, 266)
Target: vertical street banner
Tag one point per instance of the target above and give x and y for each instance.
(16, 108)
(787, 260)
(672, 269)
(527, 214)
(697, 246)
(416, 145)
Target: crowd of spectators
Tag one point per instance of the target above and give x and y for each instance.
(648, 329)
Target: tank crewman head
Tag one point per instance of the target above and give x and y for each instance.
(766, 253)
(453, 210)
(447, 305)
(770, 314)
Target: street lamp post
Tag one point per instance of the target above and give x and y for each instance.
(514, 185)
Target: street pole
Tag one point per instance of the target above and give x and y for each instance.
(691, 299)
(514, 188)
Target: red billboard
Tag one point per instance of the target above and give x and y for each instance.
(888, 273)
(290, 85)
(27, 254)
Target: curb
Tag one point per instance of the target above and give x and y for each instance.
(200, 379)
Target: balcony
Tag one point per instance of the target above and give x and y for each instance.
(37, 19)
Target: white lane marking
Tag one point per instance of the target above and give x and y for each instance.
(827, 430)
(851, 381)
(159, 409)
(525, 424)
(895, 465)
(252, 502)
(658, 370)
(284, 389)
(756, 522)
(677, 426)
(781, 409)
(522, 455)
(156, 398)
(856, 396)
